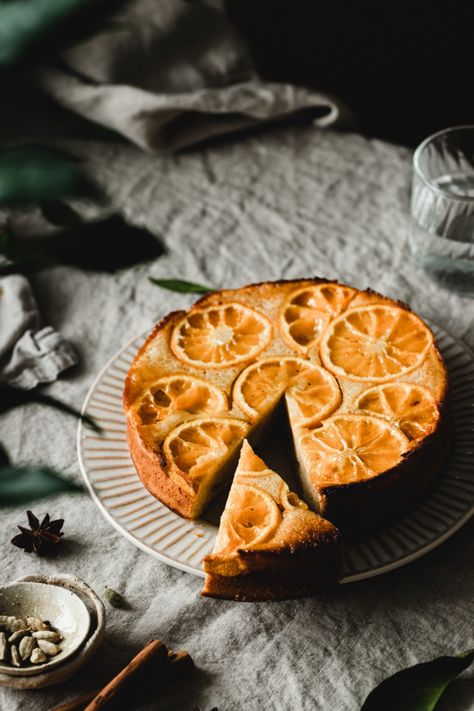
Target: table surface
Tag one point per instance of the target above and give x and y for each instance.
(287, 203)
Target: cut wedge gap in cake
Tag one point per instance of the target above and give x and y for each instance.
(269, 545)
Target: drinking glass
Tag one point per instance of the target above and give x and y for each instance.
(442, 208)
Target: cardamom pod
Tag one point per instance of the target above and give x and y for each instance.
(6, 620)
(49, 635)
(38, 656)
(18, 624)
(3, 646)
(48, 648)
(18, 635)
(15, 656)
(27, 645)
(36, 624)
(114, 598)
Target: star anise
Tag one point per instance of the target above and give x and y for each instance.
(40, 536)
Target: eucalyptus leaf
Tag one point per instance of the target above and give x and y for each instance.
(417, 688)
(184, 287)
(20, 485)
(11, 397)
(104, 245)
(30, 174)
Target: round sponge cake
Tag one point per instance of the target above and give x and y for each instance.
(362, 380)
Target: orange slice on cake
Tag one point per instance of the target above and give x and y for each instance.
(410, 406)
(350, 448)
(220, 336)
(306, 314)
(253, 517)
(375, 343)
(199, 447)
(174, 399)
(311, 392)
(180, 393)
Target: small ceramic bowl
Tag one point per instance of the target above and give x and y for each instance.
(72, 608)
(63, 608)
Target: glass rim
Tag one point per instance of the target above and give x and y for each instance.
(417, 168)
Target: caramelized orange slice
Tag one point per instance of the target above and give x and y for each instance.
(411, 407)
(375, 343)
(257, 501)
(311, 392)
(308, 311)
(252, 516)
(220, 336)
(180, 393)
(349, 448)
(202, 446)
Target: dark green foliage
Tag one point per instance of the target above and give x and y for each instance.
(33, 27)
(184, 287)
(20, 485)
(31, 174)
(417, 688)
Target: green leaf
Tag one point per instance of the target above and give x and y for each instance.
(11, 397)
(27, 25)
(21, 22)
(417, 688)
(184, 287)
(105, 246)
(30, 174)
(20, 485)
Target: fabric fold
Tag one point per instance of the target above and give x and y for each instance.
(29, 355)
(167, 74)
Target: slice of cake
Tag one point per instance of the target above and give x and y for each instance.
(270, 546)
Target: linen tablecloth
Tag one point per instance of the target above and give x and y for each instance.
(284, 204)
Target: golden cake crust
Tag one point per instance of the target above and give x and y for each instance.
(319, 573)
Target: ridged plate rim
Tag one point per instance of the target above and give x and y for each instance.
(198, 535)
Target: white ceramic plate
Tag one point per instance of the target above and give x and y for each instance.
(116, 488)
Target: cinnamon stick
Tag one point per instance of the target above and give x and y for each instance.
(155, 649)
(179, 664)
(78, 704)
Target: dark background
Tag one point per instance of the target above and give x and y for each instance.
(404, 68)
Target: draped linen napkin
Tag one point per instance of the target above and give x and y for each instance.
(167, 74)
(29, 355)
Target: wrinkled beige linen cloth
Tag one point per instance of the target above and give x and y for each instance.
(167, 74)
(285, 204)
(30, 354)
